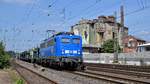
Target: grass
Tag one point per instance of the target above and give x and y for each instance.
(20, 81)
(15, 77)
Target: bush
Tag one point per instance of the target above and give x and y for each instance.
(108, 46)
(4, 57)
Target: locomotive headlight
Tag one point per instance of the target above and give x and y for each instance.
(75, 52)
(66, 51)
(63, 51)
(78, 51)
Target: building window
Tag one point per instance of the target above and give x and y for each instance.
(102, 34)
(131, 44)
(113, 35)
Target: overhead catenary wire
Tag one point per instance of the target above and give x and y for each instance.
(52, 4)
(111, 6)
(29, 12)
(87, 8)
(82, 11)
(23, 20)
(27, 15)
(68, 4)
(137, 10)
(89, 13)
(143, 5)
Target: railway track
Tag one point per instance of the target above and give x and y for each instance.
(130, 70)
(63, 77)
(111, 78)
(123, 72)
(30, 76)
(96, 73)
(99, 77)
(121, 67)
(118, 74)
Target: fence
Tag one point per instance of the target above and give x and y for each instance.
(140, 58)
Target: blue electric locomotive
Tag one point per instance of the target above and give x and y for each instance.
(62, 50)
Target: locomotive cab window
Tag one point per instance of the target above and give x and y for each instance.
(65, 40)
(51, 42)
(76, 40)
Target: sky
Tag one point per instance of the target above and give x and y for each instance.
(23, 23)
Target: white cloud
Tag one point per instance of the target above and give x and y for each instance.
(19, 1)
(145, 32)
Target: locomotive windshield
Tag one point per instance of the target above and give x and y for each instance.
(76, 40)
(65, 40)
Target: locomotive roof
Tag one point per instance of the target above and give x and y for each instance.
(64, 33)
(59, 33)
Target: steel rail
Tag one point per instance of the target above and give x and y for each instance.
(118, 71)
(16, 64)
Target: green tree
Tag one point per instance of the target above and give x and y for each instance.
(4, 57)
(108, 46)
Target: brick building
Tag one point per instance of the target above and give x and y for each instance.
(130, 43)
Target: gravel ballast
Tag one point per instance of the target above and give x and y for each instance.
(61, 77)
